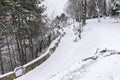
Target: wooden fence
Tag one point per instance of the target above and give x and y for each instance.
(31, 65)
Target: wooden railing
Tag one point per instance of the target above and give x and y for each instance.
(31, 65)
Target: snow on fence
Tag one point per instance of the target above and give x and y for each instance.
(19, 71)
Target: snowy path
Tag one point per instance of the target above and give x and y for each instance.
(66, 62)
(57, 62)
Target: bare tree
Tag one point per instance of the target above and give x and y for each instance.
(97, 8)
(82, 9)
(77, 9)
(84, 12)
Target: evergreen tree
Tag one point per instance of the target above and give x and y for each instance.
(115, 9)
(22, 25)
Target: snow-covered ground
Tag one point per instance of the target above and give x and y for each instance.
(68, 61)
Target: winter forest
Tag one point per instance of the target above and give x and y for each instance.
(26, 30)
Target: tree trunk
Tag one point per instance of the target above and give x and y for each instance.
(104, 9)
(31, 46)
(84, 12)
(25, 54)
(9, 51)
(22, 52)
(13, 48)
(1, 62)
(19, 52)
(99, 20)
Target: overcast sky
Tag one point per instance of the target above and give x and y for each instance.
(55, 6)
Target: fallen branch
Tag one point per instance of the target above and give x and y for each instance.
(105, 50)
(93, 58)
(112, 54)
(97, 51)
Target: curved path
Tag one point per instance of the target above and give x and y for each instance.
(57, 62)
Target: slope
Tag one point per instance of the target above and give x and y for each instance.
(57, 62)
(67, 59)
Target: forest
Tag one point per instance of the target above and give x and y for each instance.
(26, 32)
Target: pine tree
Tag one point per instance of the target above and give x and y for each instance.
(21, 23)
(115, 9)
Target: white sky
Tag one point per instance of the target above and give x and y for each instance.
(55, 6)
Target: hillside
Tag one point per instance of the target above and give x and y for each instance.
(94, 57)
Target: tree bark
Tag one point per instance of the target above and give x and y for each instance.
(84, 12)
(9, 51)
(19, 52)
(1, 63)
(13, 48)
(104, 9)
